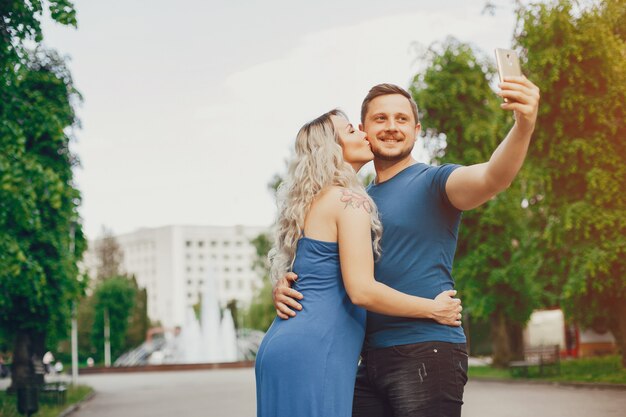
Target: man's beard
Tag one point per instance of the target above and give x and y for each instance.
(378, 151)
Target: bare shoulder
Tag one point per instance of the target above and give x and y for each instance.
(341, 199)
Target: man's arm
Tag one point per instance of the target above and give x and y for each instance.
(285, 297)
(470, 186)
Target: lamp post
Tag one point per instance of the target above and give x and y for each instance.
(74, 319)
(74, 345)
(107, 339)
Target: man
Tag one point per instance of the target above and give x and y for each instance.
(419, 367)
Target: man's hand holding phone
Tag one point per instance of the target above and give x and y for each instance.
(520, 94)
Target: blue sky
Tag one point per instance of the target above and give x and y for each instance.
(190, 107)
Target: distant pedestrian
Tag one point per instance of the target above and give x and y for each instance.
(47, 360)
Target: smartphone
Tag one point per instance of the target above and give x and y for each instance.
(508, 64)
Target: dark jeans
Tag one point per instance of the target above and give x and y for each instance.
(422, 379)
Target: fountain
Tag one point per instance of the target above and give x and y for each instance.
(212, 339)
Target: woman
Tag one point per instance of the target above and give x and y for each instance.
(328, 232)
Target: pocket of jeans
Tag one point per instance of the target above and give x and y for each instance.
(418, 350)
(460, 350)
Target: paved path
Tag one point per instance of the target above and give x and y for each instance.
(213, 393)
(496, 399)
(230, 393)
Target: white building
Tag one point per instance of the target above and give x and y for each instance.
(174, 263)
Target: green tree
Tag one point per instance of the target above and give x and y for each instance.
(109, 257)
(138, 322)
(41, 238)
(576, 53)
(114, 296)
(261, 312)
(85, 319)
(495, 265)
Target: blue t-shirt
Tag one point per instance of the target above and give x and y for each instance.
(420, 229)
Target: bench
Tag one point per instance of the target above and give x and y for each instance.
(542, 357)
(56, 392)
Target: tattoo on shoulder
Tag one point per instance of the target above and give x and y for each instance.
(355, 200)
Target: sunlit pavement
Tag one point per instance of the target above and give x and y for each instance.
(230, 393)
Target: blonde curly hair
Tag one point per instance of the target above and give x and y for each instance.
(318, 163)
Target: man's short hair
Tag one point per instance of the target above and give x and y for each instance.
(383, 90)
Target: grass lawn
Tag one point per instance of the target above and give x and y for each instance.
(605, 369)
(8, 407)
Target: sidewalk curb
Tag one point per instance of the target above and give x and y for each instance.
(166, 367)
(69, 410)
(594, 385)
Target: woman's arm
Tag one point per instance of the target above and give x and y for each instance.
(357, 268)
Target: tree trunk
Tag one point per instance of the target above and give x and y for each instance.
(500, 340)
(516, 340)
(28, 352)
(618, 326)
(20, 367)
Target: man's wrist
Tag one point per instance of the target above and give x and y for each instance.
(524, 132)
(430, 309)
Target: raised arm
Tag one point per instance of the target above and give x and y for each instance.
(470, 186)
(357, 268)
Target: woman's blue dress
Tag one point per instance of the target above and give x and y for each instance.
(306, 366)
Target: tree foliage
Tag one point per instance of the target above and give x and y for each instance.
(41, 237)
(565, 244)
(38, 221)
(577, 55)
(21, 21)
(261, 312)
(115, 296)
(129, 320)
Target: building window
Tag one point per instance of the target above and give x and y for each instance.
(227, 284)
(201, 243)
(188, 269)
(240, 284)
(226, 257)
(214, 256)
(226, 243)
(239, 243)
(188, 282)
(188, 243)
(214, 243)
(201, 269)
(226, 269)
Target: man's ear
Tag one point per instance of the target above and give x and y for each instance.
(418, 129)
